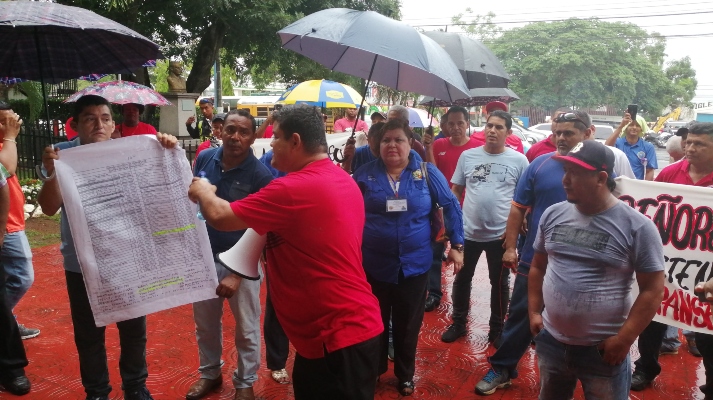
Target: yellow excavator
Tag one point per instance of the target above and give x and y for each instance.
(673, 115)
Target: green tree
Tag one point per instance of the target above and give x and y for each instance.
(480, 27)
(683, 78)
(585, 63)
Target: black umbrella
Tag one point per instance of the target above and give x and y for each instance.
(476, 63)
(374, 47)
(479, 97)
(48, 42)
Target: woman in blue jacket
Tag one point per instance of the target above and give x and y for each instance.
(396, 247)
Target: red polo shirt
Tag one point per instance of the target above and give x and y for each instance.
(540, 148)
(445, 155)
(141, 129)
(678, 173)
(314, 220)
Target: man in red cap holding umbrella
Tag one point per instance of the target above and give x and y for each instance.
(512, 141)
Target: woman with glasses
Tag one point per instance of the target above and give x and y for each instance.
(399, 196)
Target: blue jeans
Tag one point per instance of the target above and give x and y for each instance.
(516, 336)
(434, 274)
(561, 365)
(16, 259)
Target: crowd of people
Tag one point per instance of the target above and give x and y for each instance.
(355, 252)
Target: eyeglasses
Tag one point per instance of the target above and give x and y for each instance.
(570, 117)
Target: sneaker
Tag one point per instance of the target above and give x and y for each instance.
(493, 381)
(27, 333)
(692, 348)
(453, 332)
(390, 351)
(667, 350)
(639, 381)
(140, 394)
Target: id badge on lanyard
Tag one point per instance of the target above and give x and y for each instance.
(394, 203)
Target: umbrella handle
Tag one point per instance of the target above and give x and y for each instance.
(335, 154)
(356, 121)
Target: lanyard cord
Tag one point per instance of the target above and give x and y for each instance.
(395, 183)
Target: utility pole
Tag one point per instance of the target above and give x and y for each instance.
(217, 86)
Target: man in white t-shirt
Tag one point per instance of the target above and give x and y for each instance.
(487, 176)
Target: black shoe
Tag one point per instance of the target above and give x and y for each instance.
(432, 303)
(18, 385)
(140, 394)
(97, 398)
(390, 351)
(639, 381)
(453, 333)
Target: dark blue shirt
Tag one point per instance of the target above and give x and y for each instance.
(539, 187)
(266, 160)
(235, 184)
(401, 241)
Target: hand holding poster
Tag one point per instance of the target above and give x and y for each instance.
(684, 218)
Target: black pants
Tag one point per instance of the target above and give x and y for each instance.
(404, 303)
(348, 373)
(90, 344)
(277, 346)
(499, 282)
(13, 359)
(649, 348)
(705, 346)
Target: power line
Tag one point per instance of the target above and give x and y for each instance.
(561, 20)
(649, 5)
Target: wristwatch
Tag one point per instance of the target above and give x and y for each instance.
(457, 247)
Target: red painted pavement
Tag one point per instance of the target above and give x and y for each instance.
(443, 371)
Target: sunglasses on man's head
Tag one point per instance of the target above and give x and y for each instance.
(569, 117)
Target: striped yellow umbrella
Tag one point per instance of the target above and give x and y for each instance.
(322, 93)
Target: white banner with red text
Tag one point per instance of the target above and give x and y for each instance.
(684, 218)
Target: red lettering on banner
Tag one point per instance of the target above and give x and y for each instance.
(679, 224)
(686, 309)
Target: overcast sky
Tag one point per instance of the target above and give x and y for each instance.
(686, 23)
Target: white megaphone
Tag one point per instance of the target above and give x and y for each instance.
(244, 257)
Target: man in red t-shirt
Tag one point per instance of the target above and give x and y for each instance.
(131, 125)
(694, 170)
(444, 153)
(314, 221)
(512, 141)
(15, 256)
(346, 124)
(548, 145)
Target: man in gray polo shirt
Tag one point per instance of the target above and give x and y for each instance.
(487, 175)
(587, 252)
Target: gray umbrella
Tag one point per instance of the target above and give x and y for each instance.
(477, 64)
(373, 47)
(478, 97)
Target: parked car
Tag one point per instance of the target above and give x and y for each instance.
(602, 132)
(544, 128)
(663, 138)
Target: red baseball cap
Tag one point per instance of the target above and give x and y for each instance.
(496, 105)
(590, 155)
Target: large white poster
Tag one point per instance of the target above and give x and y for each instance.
(140, 245)
(684, 218)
